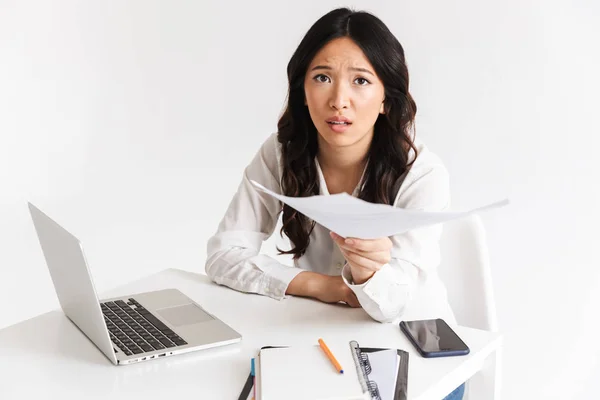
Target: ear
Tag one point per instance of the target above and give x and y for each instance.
(382, 108)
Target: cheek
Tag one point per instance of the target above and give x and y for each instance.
(369, 102)
(315, 97)
(368, 111)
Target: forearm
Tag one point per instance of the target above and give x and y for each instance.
(305, 284)
(325, 288)
(244, 270)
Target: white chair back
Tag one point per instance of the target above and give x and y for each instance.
(465, 269)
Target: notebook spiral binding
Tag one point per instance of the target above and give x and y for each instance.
(363, 368)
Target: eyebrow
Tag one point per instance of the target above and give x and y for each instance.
(325, 67)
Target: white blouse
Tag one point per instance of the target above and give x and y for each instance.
(408, 287)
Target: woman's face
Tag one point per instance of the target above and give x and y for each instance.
(343, 94)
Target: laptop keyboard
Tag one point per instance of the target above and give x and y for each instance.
(136, 330)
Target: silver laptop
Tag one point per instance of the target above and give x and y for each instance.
(126, 329)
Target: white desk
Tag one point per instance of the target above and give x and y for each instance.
(47, 357)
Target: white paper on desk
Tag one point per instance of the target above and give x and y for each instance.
(305, 373)
(349, 216)
(384, 372)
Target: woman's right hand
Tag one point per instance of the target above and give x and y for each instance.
(326, 288)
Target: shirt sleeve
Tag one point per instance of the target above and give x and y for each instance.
(414, 253)
(233, 252)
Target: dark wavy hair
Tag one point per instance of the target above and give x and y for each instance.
(389, 150)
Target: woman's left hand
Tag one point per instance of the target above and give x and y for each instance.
(365, 256)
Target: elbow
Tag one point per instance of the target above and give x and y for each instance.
(386, 319)
(390, 308)
(210, 267)
(387, 295)
(387, 315)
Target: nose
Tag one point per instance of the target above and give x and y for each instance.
(339, 97)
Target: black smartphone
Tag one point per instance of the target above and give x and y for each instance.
(434, 338)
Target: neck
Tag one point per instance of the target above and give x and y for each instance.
(342, 166)
(343, 158)
(341, 161)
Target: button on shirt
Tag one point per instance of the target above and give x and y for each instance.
(408, 287)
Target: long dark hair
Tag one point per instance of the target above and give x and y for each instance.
(389, 150)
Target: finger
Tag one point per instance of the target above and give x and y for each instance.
(342, 241)
(382, 257)
(361, 261)
(352, 300)
(337, 238)
(368, 245)
(381, 244)
(354, 304)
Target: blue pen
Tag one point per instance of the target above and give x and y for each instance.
(254, 379)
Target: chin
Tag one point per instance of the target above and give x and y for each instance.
(338, 139)
(343, 139)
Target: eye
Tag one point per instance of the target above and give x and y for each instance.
(361, 81)
(321, 78)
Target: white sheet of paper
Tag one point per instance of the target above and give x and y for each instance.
(305, 373)
(349, 216)
(384, 371)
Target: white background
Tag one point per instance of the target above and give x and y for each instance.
(130, 122)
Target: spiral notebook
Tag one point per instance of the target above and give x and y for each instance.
(400, 388)
(304, 372)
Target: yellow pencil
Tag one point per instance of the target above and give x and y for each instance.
(335, 362)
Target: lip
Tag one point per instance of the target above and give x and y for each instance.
(338, 119)
(339, 128)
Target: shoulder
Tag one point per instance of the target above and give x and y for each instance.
(271, 152)
(426, 185)
(426, 163)
(267, 161)
(270, 146)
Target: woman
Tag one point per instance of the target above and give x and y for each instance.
(347, 127)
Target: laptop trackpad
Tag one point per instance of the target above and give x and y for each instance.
(184, 315)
